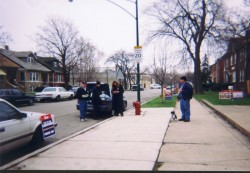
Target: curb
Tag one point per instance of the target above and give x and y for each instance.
(15, 162)
(232, 122)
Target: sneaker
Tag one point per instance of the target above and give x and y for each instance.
(182, 119)
(186, 120)
(82, 120)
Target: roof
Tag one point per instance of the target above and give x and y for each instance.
(48, 62)
(15, 57)
(2, 73)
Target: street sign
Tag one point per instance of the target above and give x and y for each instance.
(138, 53)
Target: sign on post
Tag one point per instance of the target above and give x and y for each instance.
(138, 53)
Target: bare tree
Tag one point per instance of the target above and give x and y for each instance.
(159, 72)
(89, 62)
(247, 2)
(5, 37)
(192, 24)
(59, 38)
(125, 62)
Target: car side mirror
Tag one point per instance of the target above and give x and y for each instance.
(22, 115)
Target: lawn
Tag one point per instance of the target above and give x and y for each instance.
(213, 98)
(156, 103)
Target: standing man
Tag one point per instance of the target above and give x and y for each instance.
(96, 100)
(184, 96)
(82, 95)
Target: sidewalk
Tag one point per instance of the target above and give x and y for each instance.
(204, 144)
(238, 116)
(122, 143)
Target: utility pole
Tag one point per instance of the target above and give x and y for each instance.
(138, 44)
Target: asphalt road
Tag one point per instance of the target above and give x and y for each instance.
(68, 121)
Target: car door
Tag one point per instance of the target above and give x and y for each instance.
(14, 131)
(19, 97)
(62, 94)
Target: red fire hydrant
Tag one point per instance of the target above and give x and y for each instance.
(137, 106)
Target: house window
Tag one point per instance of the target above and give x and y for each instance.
(227, 64)
(234, 76)
(242, 76)
(22, 76)
(59, 78)
(33, 76)
(242, 55)
(55, 64)
(30, 60)
(233, 59)
(31, 88)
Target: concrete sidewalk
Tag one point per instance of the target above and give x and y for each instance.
(123, 143)
(206, 143)
(238, 116)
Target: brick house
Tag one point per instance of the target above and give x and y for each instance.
(55, 75)
(235, 64)
(217, 71)
(23, 70)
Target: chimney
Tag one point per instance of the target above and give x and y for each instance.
(6, 47)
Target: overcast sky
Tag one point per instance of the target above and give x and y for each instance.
(105, 25)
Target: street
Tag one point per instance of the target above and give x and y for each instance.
(67, 118)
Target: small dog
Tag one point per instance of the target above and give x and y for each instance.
(173, 116)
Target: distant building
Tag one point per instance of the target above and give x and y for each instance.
(55, 75)
(234, 66)
(22, 70)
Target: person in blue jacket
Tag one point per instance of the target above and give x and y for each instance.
(83, 95)
(184, 96)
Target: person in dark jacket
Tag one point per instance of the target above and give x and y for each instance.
(82, 94)
(96, 100)
(117, 100)
(184, 96)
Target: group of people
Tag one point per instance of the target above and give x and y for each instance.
(83, 96)
(184, 95)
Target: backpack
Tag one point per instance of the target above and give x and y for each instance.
(191, 90)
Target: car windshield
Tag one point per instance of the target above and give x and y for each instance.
(49, 90)
(91, 86)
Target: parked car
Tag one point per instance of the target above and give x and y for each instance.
(106, 98)
(18, 128)
(74, 90)
(16, 97)
(134, 88)
(155, 86)
(39, 89)
(54, 93)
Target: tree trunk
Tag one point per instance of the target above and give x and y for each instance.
(162, 96)
(197, 76)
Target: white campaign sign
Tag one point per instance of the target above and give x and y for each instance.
(138, 53)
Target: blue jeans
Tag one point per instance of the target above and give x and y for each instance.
(185, 109)
(83, 108)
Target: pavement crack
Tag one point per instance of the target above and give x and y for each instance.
(191, 143)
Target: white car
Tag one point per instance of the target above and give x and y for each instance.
(18, 128)
(155, 86)
(54, 93)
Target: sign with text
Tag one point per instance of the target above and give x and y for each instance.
(225, 95)
(237, 94)
(138, 53)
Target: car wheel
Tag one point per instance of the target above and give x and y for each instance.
(31, 102)
(58, 98)
(38, 137)
(71, 97)
(125, 106)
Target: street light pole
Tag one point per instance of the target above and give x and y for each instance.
(137, 40)
(137, 44)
